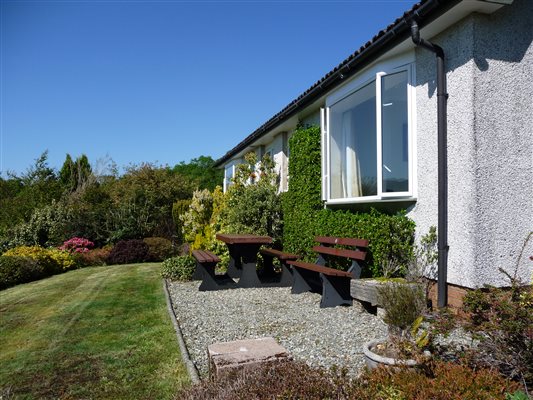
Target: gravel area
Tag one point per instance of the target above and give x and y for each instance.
(319, 336)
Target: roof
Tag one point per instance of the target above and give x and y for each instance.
(423, 12)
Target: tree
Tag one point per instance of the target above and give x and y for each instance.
(201, 171)
(75, 174)
(143, 200)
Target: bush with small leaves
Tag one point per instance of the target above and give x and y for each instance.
(15, 270)
(94, 257)
(52, 260)
(128, 251)
(159, 248)
(180, 268)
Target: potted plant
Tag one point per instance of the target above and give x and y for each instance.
(407, 341)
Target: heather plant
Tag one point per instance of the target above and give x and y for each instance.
(503, 321)
(404, 304)
(180, 268)
(296, 380)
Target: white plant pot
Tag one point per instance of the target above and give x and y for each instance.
(374, 360)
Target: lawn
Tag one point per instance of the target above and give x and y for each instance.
(101, 332)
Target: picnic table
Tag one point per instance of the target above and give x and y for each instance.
(243, 249)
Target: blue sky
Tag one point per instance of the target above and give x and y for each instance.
(162, 81)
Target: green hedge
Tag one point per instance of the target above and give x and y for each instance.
(390, 236)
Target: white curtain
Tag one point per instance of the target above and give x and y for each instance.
(351, 170)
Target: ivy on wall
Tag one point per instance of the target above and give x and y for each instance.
(390, 236)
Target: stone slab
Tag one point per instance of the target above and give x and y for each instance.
(225, 357)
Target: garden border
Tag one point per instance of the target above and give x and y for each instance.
(191, 368)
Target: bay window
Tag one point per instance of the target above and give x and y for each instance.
(367, 139)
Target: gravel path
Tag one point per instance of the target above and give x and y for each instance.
(318, 336)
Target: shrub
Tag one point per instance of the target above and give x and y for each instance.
(204, 220)
(179, 208)
(46, 227)
(159, 248)
(180, 268)
(281, 380)
(403, 304)
(253, 202)
(52, 260)
(94, 257)
(198, 216)
(15, 270)
(128, 251)
(442, 381)
(296, 380)
(77, 245)
(504, 320)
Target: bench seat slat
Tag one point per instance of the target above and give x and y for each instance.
(205, 256)
(354, 254)
(342, 241)
(320, 269)
(279, 254)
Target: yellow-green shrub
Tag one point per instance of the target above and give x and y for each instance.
(53, 260)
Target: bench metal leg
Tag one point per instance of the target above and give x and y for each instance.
(304, 281)
(198, 272)
(287, 278)
(210, 281)
(235, 262)
(267, 272)
(335, 291)
(249, 278)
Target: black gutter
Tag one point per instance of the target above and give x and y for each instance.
(442, 99)
(426, 12)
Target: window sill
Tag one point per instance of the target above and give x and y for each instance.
(371, 200)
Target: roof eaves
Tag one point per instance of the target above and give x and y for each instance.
(424, 12)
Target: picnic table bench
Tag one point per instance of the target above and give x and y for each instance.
(286, 278)
(206, 263)
(333, 283)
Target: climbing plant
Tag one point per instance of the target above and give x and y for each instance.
(390, 236)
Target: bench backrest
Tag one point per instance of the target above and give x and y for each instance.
(330, 240)
(327, 248)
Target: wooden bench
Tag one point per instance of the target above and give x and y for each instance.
(285, 278)
(206, 263)
(333, 283)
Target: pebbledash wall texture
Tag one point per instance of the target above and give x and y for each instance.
(489, 62)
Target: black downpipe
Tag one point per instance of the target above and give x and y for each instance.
(442, 230)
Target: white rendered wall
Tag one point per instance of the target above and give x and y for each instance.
(490, 146)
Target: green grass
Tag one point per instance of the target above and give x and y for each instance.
(96, 333)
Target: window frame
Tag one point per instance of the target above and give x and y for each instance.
(373, 73)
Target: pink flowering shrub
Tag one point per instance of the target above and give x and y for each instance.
(77, 245)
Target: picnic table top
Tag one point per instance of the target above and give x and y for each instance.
(245, 238)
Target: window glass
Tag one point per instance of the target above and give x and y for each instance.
(353, 159)
(228, 176)
(395, 162)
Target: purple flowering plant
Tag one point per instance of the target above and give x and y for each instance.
(77, 245)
